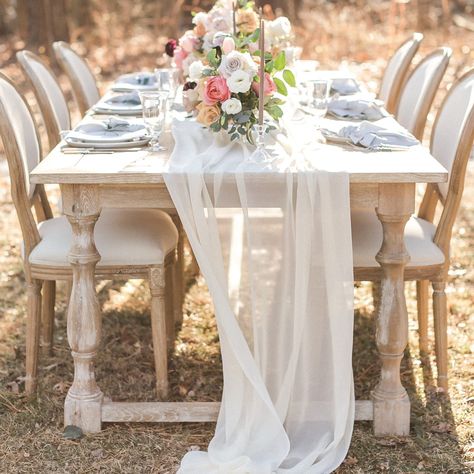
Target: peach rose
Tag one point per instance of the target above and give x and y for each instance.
(215, 90)
(207, 114)
(200, 29)
(269, 86)
(247, 21)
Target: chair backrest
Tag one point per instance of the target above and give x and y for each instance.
(451, 144)
(396, 71)
(82, 80)
(23, 151)
(48, 94)
(420, 89)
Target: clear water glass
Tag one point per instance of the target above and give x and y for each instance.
(154, 105)
(168, 80)
(318, 96)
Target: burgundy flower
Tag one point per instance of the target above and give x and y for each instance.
(189, 85)
(170, 47)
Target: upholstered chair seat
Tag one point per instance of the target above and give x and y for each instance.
(122, 237)
(367, 238)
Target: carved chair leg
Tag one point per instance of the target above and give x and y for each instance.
(32, 335)
(47, 316)
(170, 301)
(179, 286)
(158, 329)
(440, 314)
(422, 288)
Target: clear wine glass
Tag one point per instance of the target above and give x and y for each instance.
(154, 105)
(168, 80)
(318, 96)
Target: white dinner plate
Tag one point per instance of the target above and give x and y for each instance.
(131, 144)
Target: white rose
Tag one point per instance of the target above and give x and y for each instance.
(232, 106)
(235, 61)
(280, 27)
(195, 70)
(239, 81)
(200, 17)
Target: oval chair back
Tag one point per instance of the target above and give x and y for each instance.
(451, 144)
(420, 89)
(83, 82)
(396, 71)
(23, 151)
(48, 93)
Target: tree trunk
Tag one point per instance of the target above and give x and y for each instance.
(40, 22)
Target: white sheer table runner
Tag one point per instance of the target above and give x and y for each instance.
(274, 246)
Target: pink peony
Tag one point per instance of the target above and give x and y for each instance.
(269, 86)
(179, 56)
(216, 90)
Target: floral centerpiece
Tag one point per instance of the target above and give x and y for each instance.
(237, 18)
(224, 90)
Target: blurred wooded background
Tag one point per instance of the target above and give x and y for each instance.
(117, 27)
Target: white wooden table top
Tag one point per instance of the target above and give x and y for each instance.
(415, 165)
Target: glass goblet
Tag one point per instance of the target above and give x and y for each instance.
(154, 105)
(168, 80)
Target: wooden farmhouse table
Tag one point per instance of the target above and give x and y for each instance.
(89, 182)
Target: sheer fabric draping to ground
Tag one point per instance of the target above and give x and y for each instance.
(277, 257)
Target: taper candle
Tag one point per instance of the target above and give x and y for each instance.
(233, 18)
(261, 88)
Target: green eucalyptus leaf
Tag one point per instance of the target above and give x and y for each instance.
(281, 88)
(289, 78)
(280, 61)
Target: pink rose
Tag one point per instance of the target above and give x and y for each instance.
(269, 86)
(188, 42)
(179, 56)
(216, 90)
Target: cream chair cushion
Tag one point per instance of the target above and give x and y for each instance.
(122, 237)
(367, 239)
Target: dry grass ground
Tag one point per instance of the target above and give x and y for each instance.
(31, 440)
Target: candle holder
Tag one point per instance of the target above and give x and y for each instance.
(261, 155)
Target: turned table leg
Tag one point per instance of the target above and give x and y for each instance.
(82, 407)
(391, 402)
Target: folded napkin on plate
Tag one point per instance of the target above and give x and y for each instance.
(357, 107)
(131, 98)
(373, 136)
(344, 86)
(139, 79)
(111, 130)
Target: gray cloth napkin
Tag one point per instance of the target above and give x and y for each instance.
(111, 130)
(376, 137)
(356, 107)
(131, 98)
(139, 79)
(344, 86)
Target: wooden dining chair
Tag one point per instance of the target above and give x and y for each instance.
(428, 244)
(132, 244)
(48, 94)
(84, 87)
(54, 108)
(419, 90)
(396, 72)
